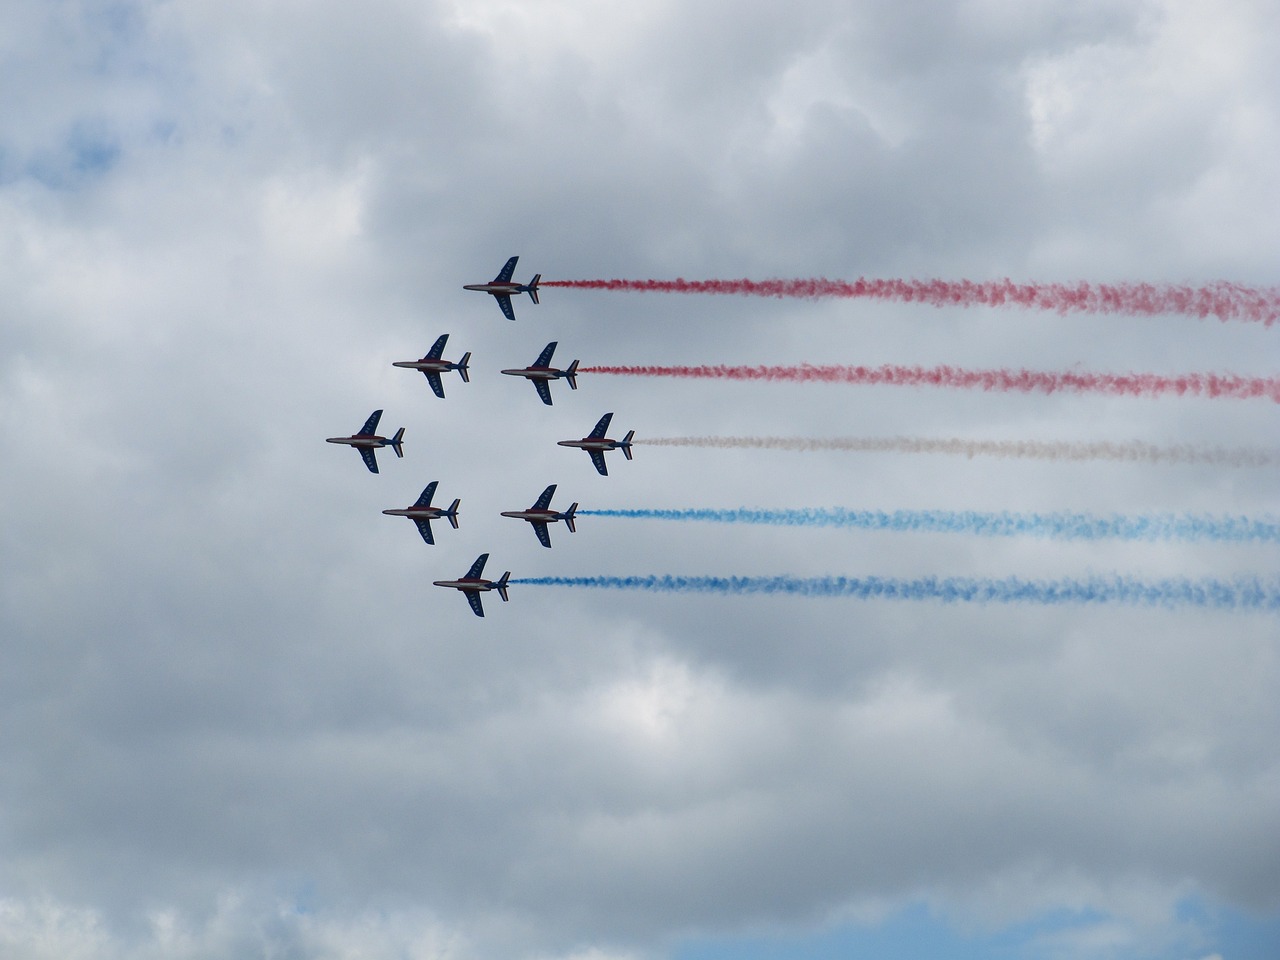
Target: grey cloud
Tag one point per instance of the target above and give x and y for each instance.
(226, 671)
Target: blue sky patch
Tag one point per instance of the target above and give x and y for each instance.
(917, 933)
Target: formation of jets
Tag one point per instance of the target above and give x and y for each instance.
(540, 373)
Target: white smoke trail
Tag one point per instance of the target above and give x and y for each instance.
(1133, 451)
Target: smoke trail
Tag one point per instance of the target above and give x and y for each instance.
(1222, 299)
(1026, 381)
(1067, 526)
(1242, 593)
(1133, 451)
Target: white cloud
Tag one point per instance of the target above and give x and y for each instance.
(35, 930)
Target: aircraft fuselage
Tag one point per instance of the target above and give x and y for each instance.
(537, 373)
(498, 289)
(360, 441)
(438, 366)
(418, 513)
(590, 443)
(470, 586)
(540, 516)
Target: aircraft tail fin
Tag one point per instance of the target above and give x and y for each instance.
(462, 367)
(501, 585)
(626, 444)
(452, 513)
(533, 286)
(572, 375)
(568, 517)
(396, 442)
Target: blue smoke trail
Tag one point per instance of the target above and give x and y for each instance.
(1242, 593)
(1068, 526)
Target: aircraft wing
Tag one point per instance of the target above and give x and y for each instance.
(544, 498)
(544, 390)
(477, 568)
(544, 358)
(370, 457)
(508, 269)
(371, 424)
(433, 378)
(504, 304)
(540, 528)
(597, 457)
(428, 492)
(473, 598)
(424, 528)
(600, 427)
(437, 348)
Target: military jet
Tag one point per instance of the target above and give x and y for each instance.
(596, 443)
(503, 289)
(367, 442)
(472, 584)
(422, 512)
(542, 373)
(540, 514)
(432, 366)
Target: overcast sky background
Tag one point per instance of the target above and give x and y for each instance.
(237, 720)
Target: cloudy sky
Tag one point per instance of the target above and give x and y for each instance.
(237, 720)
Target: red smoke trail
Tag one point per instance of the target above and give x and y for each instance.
(1222, 299)
(1027, 381)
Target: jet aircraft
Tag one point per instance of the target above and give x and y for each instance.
(432, 366)
(367, 442)
(540, 514)
(542, 373)
(596, 443)
(502, 289)
(422, 512)
(473, 584)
